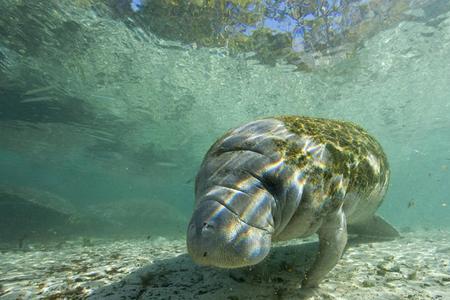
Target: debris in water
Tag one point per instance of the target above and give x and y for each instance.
(21, 241)
(86, 242)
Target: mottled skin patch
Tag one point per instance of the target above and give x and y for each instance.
(349, 147)
(282, 178)
(348, 144)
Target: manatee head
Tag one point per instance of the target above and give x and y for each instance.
(218, 237)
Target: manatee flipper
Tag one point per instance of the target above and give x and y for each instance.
(374, 228)
(332, 241)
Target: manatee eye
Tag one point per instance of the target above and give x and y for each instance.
(271, 186)
(204, 254)
(207, 226)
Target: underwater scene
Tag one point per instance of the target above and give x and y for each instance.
(239, 149)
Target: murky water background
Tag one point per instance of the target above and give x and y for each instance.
(107, 107)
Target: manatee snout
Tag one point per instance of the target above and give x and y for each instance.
(217, 237)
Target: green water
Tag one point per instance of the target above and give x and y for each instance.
(112, 109)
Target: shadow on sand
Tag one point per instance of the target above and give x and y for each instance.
(277, 277)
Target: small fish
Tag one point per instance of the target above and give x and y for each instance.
(103, 97)
(105, 139)
(166, 164)
(144, 111)
(39, 90)
(412, 203)
(186, 140)
(38, 99)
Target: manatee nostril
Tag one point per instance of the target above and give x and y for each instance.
(204, 254)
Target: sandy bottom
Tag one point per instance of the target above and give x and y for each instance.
(415, 266)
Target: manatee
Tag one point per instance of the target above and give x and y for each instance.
(287, 177)
(27, 213)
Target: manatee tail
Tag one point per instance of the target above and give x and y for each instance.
(375, 228)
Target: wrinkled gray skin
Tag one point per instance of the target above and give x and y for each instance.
(247, 196)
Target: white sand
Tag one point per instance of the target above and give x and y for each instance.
(415, 266)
